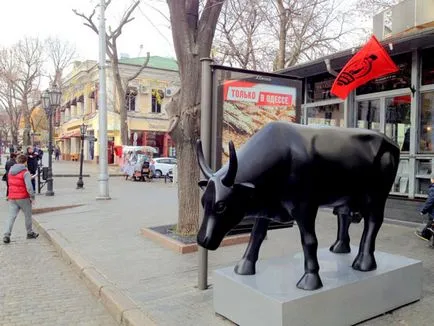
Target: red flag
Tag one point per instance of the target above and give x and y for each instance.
(371, 62)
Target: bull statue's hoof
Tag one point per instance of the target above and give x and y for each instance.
(245, 267)
(340, 247)
(365, 262)
(310, 282)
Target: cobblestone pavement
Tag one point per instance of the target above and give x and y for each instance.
(163, 283)
(38, 288)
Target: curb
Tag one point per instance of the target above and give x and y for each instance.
(121, 307)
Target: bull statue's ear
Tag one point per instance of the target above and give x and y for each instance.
(202, 184)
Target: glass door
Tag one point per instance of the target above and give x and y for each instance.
(368, 115)
(398, 124)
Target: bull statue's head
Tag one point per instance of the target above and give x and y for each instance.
(224, 201)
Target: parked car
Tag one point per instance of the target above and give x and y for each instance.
(163, 165)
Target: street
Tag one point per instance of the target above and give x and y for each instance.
(162, 282)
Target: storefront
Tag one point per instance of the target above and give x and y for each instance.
(399, 105)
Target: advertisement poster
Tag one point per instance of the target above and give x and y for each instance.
(250, 104)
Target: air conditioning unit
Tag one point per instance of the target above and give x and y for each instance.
(144, 89)
(170, 91)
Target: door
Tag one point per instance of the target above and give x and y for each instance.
(111, 151)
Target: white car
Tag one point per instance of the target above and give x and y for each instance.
(163, 165)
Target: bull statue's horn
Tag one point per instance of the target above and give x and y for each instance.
(229, 178)
(207, 172)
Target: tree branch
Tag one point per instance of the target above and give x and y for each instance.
(144, 65)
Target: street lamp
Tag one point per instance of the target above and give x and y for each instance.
(50, 100)
(83, 129)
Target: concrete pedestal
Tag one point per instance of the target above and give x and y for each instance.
(348, 297)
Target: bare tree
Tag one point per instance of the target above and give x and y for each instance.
(371, 7)
(307, 29)
(193, 32)
(61, 53)
(240, 40)
(112, 36)
(9, 103)
(21, 72)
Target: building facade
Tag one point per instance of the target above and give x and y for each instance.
(400, 105)
(145, 99)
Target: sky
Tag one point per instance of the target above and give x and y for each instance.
(45, 18)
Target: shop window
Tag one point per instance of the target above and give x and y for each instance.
(318, 88)
(428, 66)
(130, 99)
(402, 176)
(326, 115)
(157, 100)
(400, 79)
(398, 120)
(426, 123)
(368, 115)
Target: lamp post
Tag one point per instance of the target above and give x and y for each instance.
(83, 129)
(50, 100)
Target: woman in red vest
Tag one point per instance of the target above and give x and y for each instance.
(21, 195)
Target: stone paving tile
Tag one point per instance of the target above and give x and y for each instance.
(107, 233)
(38, 288)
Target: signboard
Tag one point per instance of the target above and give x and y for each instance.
(246, 102)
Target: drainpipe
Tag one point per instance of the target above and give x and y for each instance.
(329, 68)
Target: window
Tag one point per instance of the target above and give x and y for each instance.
(368, 115)
(428, 66)
(426, 123)
(398, 120)
(400, 79)
(326, 115)
(130, 99)
(157, 99)
(401, 180)
(318, 88)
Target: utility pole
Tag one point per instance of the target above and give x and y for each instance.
(103, 179)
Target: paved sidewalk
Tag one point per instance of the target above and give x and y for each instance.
(163, 283)
(38, 288)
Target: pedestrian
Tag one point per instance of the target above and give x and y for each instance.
(32, 164)
(11, 162)
(428, 208)
(57, 153)
(21, 196)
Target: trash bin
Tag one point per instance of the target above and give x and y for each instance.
(175, 174)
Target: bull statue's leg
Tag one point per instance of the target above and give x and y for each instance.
(305, 216)
(342, 243)
(247, 265)
(365, 260)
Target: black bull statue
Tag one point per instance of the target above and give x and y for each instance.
(287, 171)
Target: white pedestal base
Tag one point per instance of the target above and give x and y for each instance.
(348, 297)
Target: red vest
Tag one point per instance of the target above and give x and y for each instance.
(17, 186)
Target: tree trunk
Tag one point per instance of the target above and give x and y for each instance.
(121, 102)
(188, 195)
(27, 124)
(283, 22)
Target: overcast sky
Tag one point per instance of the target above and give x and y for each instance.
(44, 18)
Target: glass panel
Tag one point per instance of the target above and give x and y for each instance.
(422, 186)
(398, 120)
(426, 123)
(401, 181)
(428, 66)
(400, 79)
(423, 168)
(318, 88)
(326, 115)
(368, 115)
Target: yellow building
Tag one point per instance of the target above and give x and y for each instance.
(146, 95)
